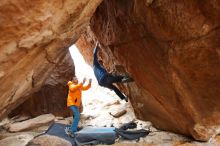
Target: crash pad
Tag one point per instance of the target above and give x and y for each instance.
(91, 135)
(87, 135)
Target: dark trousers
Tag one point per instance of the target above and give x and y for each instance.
(108, 80)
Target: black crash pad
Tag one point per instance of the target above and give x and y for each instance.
(58, 129)
(87, 135)
(97, 135)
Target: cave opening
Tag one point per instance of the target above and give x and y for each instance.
(99, 103)
(96, 97)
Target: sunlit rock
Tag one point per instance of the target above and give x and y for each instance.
(35, 36)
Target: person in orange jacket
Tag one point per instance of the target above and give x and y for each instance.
(74, 101)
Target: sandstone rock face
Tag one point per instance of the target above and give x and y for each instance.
(17, 140)
(172, 51)
(48, 140)
(87, 42)
(53, 94)
(32, 123)
(34, 37)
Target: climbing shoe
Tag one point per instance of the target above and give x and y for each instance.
(126, 98)
(127, 79)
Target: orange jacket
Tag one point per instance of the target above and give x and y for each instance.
(75, 93)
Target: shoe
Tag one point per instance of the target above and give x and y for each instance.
(126, 98)
(69, 132)
(127, 79)
(67, 129)
(72, 134)
(79, 128)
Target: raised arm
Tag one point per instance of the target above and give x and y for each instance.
(87, 86)
(73, 87)
(95, 57)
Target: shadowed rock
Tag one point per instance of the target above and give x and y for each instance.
(171, 49)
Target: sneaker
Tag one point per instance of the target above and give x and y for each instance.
(79, 128)
(72, 134)
(127, 79)
(69, 128)
(69, 132)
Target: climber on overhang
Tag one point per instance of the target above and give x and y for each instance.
(106, 79)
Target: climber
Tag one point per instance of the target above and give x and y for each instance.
(74, 101)
(106, 79)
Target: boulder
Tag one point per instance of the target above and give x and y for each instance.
(171, 49)
(17, 140)
(116, 113)
(52, 97)
(34, 39)
(49, 140)
(32, 123)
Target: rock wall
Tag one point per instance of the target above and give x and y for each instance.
(34, 37)
(171, 49)
(51, 98)
(85, 44)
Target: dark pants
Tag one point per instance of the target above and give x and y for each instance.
(108, 80)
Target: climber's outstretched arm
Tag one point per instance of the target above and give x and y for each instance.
(95, 57)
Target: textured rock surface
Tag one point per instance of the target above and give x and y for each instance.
(17, 140)
(86, 41)
(172, 51)
(34, 37)
(118, 112)
(48, 140)
(52, 96)
(32, 123)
